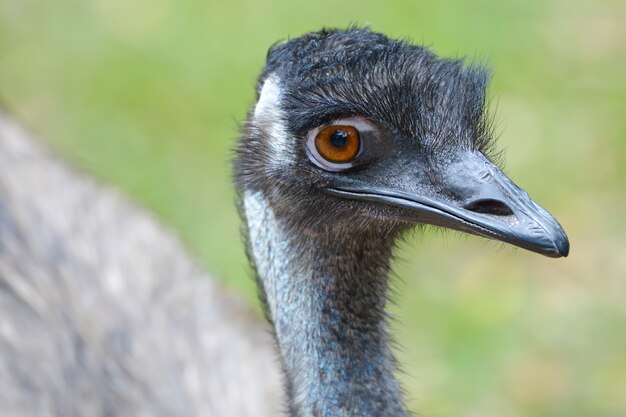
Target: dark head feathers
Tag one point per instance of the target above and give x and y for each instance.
(336, 73)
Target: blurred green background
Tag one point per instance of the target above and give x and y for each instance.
(146, 95)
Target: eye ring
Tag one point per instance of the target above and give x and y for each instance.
(337, 146)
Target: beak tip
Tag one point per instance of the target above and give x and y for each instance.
(562, 246)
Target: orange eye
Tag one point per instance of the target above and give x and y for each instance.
(338, 143)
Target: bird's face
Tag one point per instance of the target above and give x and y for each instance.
(354, 130)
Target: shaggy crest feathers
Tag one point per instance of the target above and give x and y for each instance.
(337, 73)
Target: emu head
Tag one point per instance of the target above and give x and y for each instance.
(354, 132)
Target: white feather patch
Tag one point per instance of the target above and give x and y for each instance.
(268, 116)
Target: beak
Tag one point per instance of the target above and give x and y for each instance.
(470, 195)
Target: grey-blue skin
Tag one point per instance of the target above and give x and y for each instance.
(320, 237)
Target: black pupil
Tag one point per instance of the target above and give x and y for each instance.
(339, 138)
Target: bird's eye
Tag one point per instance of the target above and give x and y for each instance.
(338, 144)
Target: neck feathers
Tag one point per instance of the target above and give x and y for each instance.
(326, 294)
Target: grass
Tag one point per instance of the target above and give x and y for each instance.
(146, 95)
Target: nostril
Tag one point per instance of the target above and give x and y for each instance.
(489, 206)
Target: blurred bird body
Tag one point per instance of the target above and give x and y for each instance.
(104, 313)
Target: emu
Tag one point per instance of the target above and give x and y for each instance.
(354, 139)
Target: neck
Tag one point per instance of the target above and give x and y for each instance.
(325, 294)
